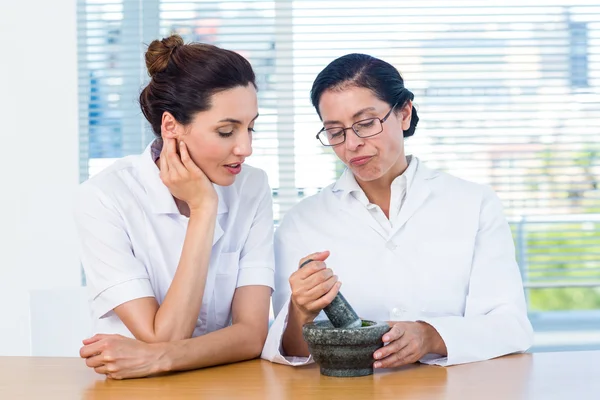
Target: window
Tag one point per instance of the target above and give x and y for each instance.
(508, 95)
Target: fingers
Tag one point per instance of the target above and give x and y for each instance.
(393, 334)
(95, 361)
(406, 355)
(162, 161)
(323, 287)
(319, 256)
(405, 346)
(110, 370)
(306, 282)
(315, 292)
(91, 349)
(311, 273)
(173, 159)
(308, 270)
(325, 300)
(187, 161)
(311, 263)
(93, 339)
(313, 283)
(316, 280)
(305, 262)
(390, 349)
(102, 370)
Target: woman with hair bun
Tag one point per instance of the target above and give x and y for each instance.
(176, 243)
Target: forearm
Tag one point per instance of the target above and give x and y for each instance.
(237, 342)
(481, 337)
(293, 342)
(176, 317)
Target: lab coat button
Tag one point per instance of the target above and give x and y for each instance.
(390, 245)
(397, 312)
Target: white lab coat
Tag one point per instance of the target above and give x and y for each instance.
(131, 234)
(448, 260)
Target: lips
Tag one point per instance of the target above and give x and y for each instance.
(360, 160)
(234, 168)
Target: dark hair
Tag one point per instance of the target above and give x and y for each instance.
(362, 70)
(185, 76)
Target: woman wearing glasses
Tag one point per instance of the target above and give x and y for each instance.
(428, 252)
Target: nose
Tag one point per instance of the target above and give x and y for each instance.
(243, 146)
(353, 142)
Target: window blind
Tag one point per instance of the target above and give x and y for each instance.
(508, 95)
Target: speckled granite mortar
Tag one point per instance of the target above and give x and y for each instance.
(344, 352)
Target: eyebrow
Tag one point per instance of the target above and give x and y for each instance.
(356, 115)
(236, 121)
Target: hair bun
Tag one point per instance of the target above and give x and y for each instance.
(159, 53)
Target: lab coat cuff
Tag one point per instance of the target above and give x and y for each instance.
(446, 328)
(262, 276)
(434, 359)
(273, 350)
(120, 293)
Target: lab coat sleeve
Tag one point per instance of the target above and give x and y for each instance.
(113, 274)
(495, 319)
(288, 253)
(257, 265)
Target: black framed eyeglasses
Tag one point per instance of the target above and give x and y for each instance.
(364, 128)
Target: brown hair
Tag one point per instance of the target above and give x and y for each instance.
(185, 76)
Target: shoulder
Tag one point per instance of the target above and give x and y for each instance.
(310, 210)
(464, 196)
(106, 187)
(453, 185)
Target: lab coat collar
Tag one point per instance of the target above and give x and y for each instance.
(347, 183)
(161, 198)
(417, 196)
(419, 191)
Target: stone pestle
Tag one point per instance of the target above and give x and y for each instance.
(339, 311)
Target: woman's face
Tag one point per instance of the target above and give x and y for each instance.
(376, 157)
(220, 139)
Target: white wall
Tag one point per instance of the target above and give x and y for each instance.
(38, 158)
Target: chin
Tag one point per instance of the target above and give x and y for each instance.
(222, 180)
(366, 176)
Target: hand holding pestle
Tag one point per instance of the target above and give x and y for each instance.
(339, 311)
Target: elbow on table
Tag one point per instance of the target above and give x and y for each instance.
(523, 335)
(256, 342)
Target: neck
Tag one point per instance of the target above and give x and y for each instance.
(379, 191)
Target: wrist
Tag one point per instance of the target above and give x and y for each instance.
(206, 206)
(164, 357)
(433, 341)
(297, 317)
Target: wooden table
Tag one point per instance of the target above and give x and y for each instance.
(544, 376)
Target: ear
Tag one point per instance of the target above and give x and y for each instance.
(406, 115)
(169, 126)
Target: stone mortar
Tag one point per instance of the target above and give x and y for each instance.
(344, 352)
